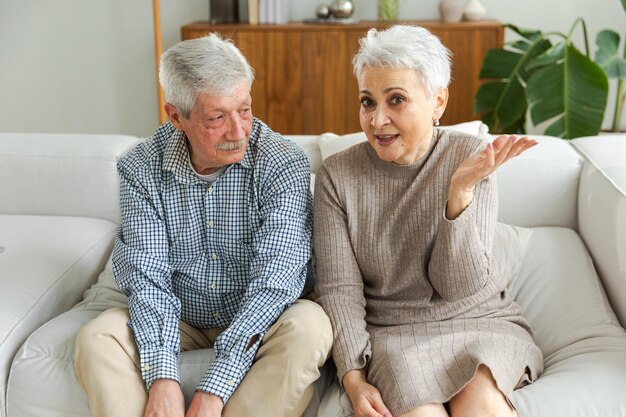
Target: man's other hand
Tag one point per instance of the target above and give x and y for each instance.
(165, 399)
(205, 405)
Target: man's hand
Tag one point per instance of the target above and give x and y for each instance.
(205, 405)
(365, 398)
(165, 399)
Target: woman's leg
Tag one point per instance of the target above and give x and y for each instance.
(481, 398)
(426, 410)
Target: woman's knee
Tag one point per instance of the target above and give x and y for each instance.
(480, 398)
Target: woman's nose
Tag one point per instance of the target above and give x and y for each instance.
(379, 117)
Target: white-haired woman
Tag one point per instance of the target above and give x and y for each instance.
(403, 229)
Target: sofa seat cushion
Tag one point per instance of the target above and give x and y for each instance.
(584, 348)
(46, 264)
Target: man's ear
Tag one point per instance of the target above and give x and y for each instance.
(174, 115)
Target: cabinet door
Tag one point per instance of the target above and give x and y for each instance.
(304, 82)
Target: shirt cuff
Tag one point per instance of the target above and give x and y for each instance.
(223, 377)
(158, 364)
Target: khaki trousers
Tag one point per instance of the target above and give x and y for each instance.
(279, 383)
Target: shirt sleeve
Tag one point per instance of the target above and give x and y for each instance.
(339, 285)
(461, 263)
(280, 252)
(142, 271)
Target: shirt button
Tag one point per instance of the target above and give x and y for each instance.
(217, 314)
(147, 368)
(210, 189)
(213, 286)
(230, 382)
(214, 256)
(211, 223)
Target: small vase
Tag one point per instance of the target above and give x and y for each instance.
(387, 10)
(341, 9)
(474, 10)
(451, 10)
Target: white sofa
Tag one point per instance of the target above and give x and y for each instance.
(58, 215)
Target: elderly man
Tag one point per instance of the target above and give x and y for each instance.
(213, 251)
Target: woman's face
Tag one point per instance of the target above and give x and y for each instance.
(396, 113)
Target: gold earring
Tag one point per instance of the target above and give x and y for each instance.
(436, 122)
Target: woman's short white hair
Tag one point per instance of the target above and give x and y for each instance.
(205, 65)
(403, 46)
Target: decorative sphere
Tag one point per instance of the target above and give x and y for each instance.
(342, 8)
(322, 11)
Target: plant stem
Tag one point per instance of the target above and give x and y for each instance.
(619, 105)
(585, 37)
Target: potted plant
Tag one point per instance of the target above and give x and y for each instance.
(546, 76)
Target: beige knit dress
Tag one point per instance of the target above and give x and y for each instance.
(412, 297)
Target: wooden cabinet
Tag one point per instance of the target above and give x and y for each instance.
(303, 72)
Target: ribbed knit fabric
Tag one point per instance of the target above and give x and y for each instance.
(413, 297)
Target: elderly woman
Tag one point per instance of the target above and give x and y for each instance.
(403, 229)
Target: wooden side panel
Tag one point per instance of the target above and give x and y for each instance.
(468, 47)
(253, 46)
(284, 81)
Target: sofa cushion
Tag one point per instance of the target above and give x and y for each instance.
(584, 348)
(47, 264)
(583, 345)
(77, 171)
(540, 187)
(602, 211)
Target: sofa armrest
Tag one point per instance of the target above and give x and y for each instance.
(602, 212)
(61, 174)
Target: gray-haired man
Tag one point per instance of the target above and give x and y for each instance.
(213, 251)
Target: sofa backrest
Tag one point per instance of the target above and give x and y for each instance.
(538, 188)
(77, 171)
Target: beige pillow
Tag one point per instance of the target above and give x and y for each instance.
(510, 244)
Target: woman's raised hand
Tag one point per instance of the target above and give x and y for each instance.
(478, 167)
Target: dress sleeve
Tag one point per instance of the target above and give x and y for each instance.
(461, 263)
(143, 273)
(280, 252)
(339, 286)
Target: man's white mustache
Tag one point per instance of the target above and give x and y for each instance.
(231, 145)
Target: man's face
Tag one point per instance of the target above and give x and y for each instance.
(218, 128)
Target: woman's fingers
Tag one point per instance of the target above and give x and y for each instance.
(379, 406)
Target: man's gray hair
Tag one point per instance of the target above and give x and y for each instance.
(403, 46)
(205, 65)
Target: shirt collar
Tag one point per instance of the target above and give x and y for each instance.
(176, 154)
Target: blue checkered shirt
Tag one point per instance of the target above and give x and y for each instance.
(232, 254)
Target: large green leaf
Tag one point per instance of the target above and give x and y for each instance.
(607, 55)
(502, 99)
(570, 87)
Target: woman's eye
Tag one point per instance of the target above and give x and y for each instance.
(397, 100)
(367, 102)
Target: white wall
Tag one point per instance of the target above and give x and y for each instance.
(88, 65)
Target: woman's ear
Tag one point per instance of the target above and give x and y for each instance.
(441, 101)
